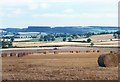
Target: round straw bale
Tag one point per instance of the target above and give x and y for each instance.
(119, 57)
(44, 52)
(20, 55)
(98, 51)
(30, 52)
(71, 51)
(24, 54)
(113, 52)
(12, 54)
(77, 51)
(55, 52)
(101, 60)
(108, 60)
(93, 50)
(87, 51)
(4, 55)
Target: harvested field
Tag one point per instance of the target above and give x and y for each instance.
(37, 44)
(62, 66)
(102, 37)
(98, 37)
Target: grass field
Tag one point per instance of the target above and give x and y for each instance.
(62, 66)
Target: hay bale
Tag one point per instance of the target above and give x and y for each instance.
(71, 51)
(12, 54)
(98, 51)
(93, 50)
(44, 52)
(24, 54)
(77, 51)
(55, 52)
(119, 57)
(87, 51)
(30, 52)
(108, 60)
(113, 52)
(20, 55)
(4, 55)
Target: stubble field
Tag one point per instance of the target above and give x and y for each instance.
(61, 66)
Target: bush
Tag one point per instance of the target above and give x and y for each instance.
(69, 39)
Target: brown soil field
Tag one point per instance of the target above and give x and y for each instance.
(98, 37)
(61, 66)
(102, 37)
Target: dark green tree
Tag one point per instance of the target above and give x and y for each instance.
(53, 39)
(64, 39)
(69, 39)
(91, 44)
(89, 40)
(40, 39)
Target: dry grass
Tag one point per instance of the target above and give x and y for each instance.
(62, 66)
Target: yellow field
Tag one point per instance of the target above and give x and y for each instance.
(22, 44)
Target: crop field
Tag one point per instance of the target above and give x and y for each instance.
(98, 37)
(58, 66)
(71, 61)
(98, 40)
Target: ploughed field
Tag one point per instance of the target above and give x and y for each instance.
(58, 66)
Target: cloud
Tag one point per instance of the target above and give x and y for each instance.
(14, 2)
(27, 2)
(1, 14)
(35, 5)
(68, 11)
(17, 12)
(82, 15)
(44, 5)
(51, 10)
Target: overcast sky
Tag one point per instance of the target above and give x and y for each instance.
(23, 13)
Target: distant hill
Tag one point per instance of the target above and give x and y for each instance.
(65, 29)
(14, 29)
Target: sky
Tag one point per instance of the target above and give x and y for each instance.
(24, 13)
